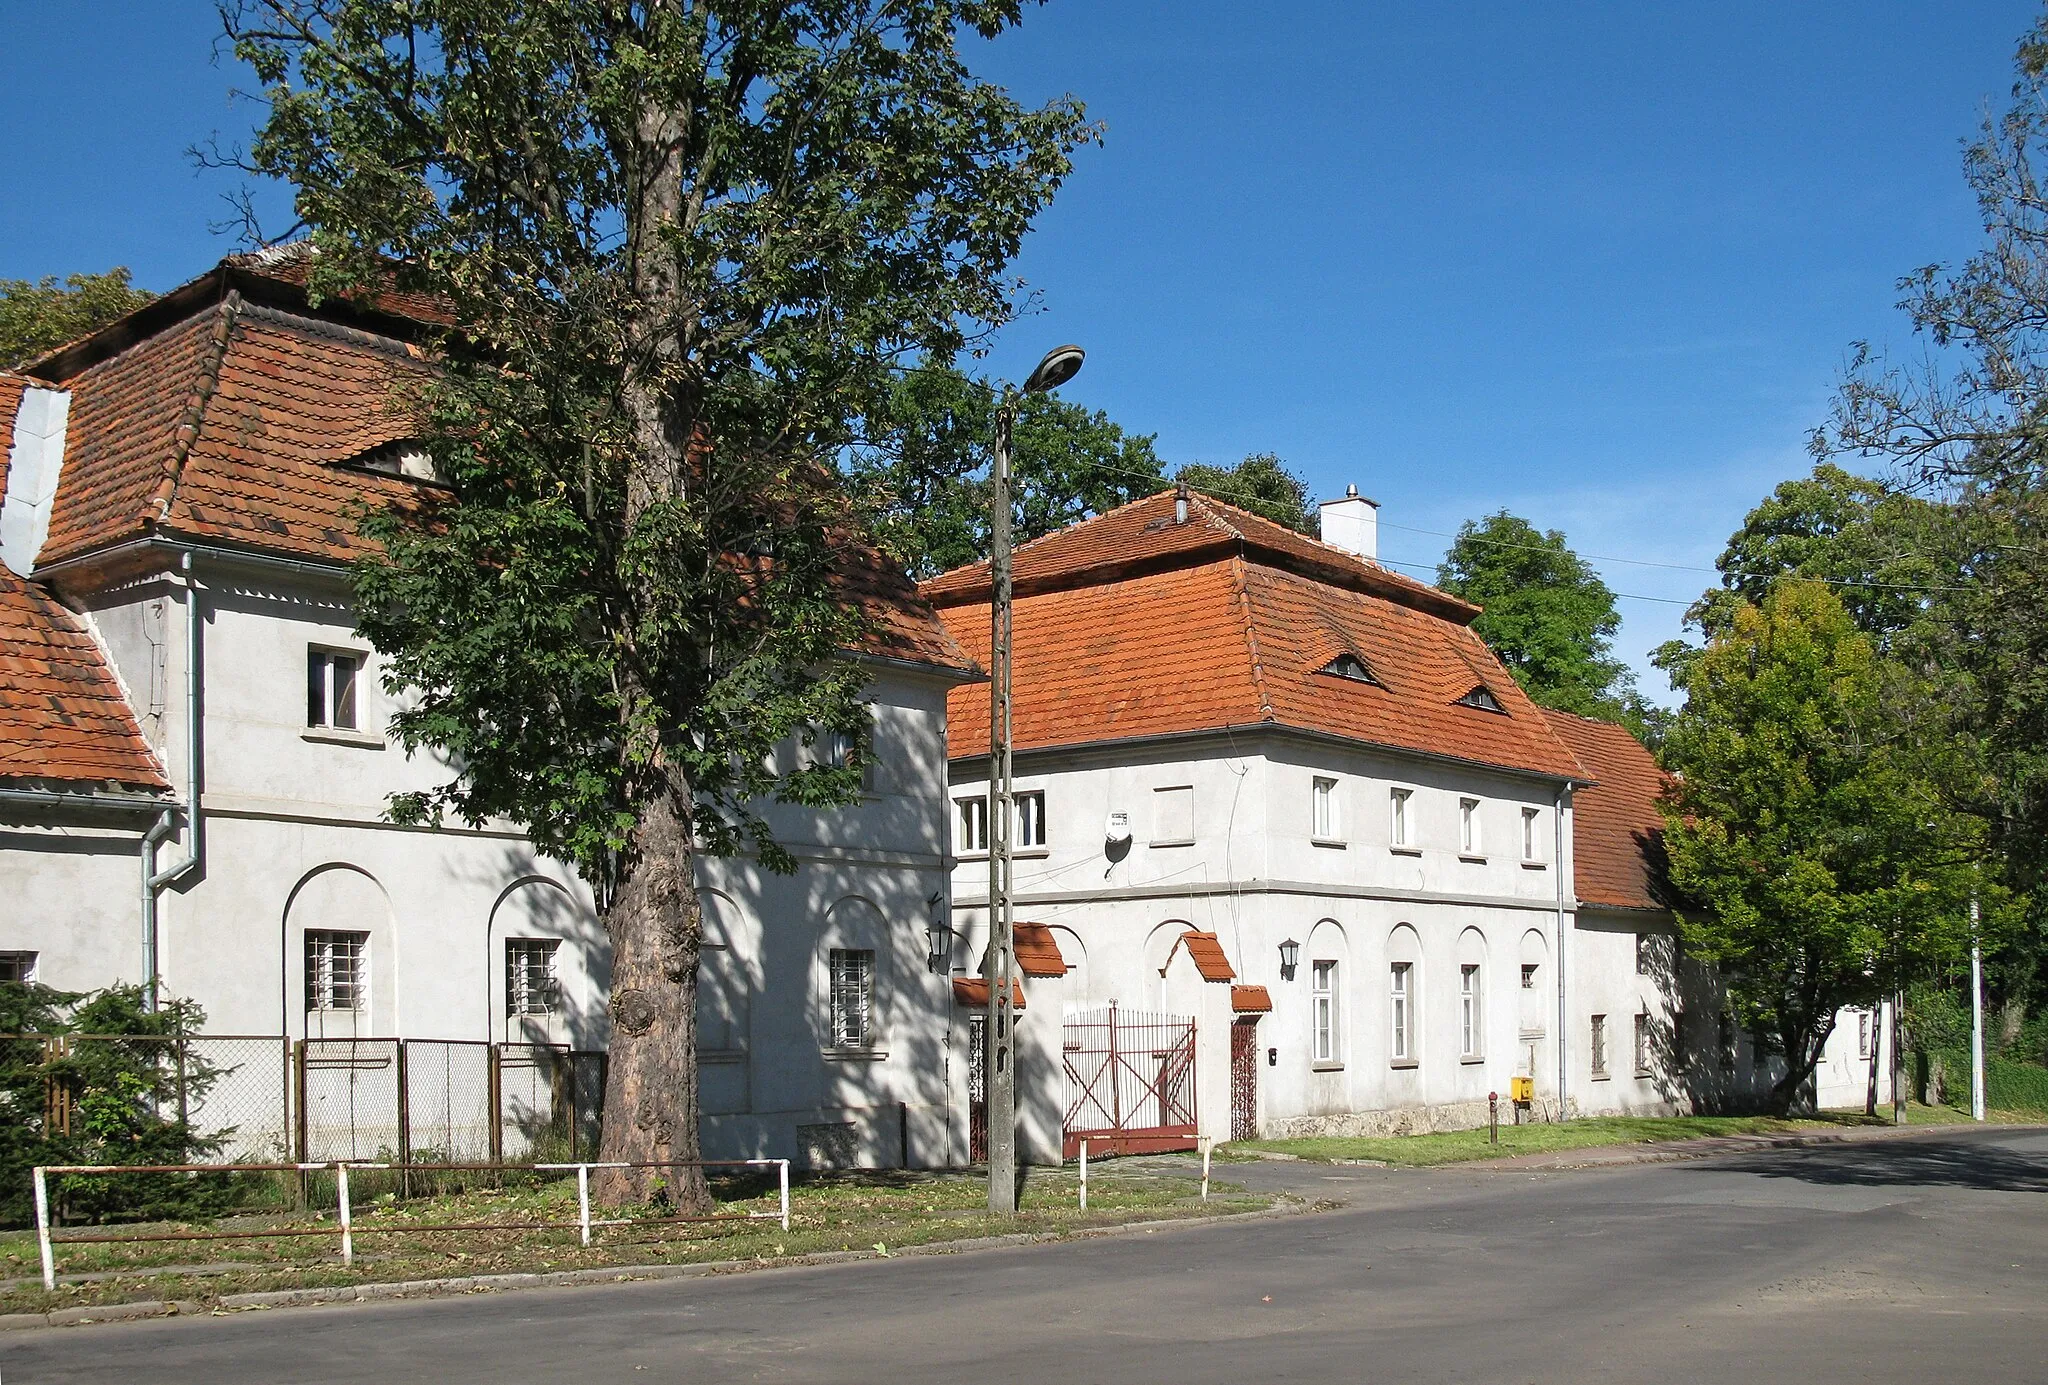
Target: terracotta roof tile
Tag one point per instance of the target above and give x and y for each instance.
(1617, 831)
(1037, 952)
(1250, 1000)
(62, 715)
(972, 992)
(11, 388)
(1207, 954)
(1226, 640)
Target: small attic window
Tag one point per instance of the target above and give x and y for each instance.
(408, 457)
(1352, 667)
(1482, 697)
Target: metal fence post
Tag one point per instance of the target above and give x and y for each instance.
(295, 1077)
(1084, 1175)
(583, 1199)
(43, 1230)
(495, 1081)
(1208, 1144)
(785, 1192)
(405, 1120)
(348, 1244)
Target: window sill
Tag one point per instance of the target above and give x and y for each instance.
(1405, 850)
(1334, 843)
(1405, 1064)
(331, 735)
(1644, 1074)
(1535, 865)
(1174, 841)
(1533, 1033)
(1473, 1059)
(1022, 853)
(1326, 1067)
(1603, 1077)
(854, 1055)
(1471, 859)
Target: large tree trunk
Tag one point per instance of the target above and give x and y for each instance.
(650, 1094)
(1802, 1047)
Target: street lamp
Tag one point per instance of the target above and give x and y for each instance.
(1290, 957)
(1058, 366)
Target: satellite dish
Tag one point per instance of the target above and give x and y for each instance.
(1118, 829)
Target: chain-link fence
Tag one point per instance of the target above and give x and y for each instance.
(261, 1098)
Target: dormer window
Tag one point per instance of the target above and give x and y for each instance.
(1352, 667)
(407, 457)
(1482, 697)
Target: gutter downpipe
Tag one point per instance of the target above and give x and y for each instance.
(195, 854)
(1563, 1032)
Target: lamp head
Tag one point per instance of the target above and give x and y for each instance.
(1060, 365)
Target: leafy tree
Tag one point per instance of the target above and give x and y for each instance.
(1547, 615)
(1261, 483)
(922, 470)
(37, 317)
(128, 1095)
(1808, 835)
(688, 245)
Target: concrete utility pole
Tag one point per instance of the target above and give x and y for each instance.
(999, 1085)
(1976, 1017)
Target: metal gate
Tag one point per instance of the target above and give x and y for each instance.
(1130, 1081)
(1244, 1079)
(977, 1091)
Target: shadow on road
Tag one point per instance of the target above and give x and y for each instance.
(1914, 1163)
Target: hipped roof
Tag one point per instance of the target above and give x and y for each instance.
(1132, 625)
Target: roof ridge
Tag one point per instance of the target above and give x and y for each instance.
(194, 415)
(1251, 638)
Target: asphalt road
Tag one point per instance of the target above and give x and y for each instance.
(1923, 1259)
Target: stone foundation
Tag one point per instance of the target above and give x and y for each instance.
(1407, 1120)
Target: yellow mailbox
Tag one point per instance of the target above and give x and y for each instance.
(1522, 1090)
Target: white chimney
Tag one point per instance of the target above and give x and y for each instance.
(1353, 524)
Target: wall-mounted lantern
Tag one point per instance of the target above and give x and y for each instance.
(938, 936)
(1290, 957)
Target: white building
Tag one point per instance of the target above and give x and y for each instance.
(184, 697)
(1269, 785)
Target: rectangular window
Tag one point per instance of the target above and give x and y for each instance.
(1863, 1033)
(853, 995)
(331, 688)
(1468, 826)
(1400, 1011)
(18, 967)
(337, 970)
(1397, 816)
(1643, 946)
(1528, 976)
(970, 825)
(1030, 819)
(1530, 817)
(1599, 1047)
(1173, 816)
(530, 984)
(1323, 799)
(1323, 1010)
(1471, 1013)
(1643, 1055)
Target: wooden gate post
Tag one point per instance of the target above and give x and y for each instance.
(405, 1120)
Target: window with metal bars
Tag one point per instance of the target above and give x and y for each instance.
(1599, 1046)
(530, 984)
(853, 997)
(19, 967)
(337, 970)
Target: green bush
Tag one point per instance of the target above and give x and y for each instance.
(2011, 1086)
(126, 1093)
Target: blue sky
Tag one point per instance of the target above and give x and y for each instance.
(1599, 264)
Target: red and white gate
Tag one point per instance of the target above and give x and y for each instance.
(1130, 1081)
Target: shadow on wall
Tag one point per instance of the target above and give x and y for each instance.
(1701, 1060)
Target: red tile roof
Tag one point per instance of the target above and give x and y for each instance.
(1038, 954)
(1206, 637)
(1206, 953)
(1250, 1000)
(227, 427)
(1617, 831)
(972, 992)
(62, 715)
(11, 387)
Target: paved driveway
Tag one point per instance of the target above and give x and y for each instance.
(1918, 1260)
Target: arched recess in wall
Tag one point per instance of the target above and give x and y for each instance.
(1404, 984)
(728, 979)
(1331, 982)
(339, 956)
(1158, 947)
(859, 1017)
(1078, 991)
(1473, 980)
(540, 930)
(1534, 985)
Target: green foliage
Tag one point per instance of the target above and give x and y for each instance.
(37, 317)
(128, 1087)
(1547, 615)
(695, 268)
(922, 468)
(1820, 865)
(1261, 483)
